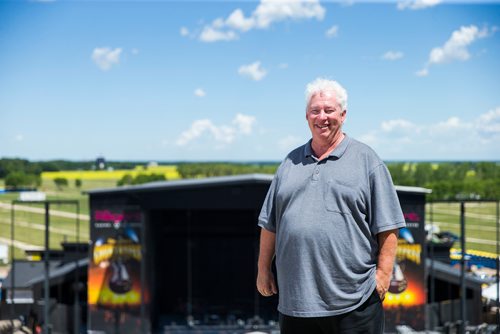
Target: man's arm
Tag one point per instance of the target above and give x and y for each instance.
(265, 278)
(388, 242)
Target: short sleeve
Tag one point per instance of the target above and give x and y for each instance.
(267, 216)
(385, 209)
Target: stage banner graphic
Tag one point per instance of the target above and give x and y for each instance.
(407, 296)
(117, 297)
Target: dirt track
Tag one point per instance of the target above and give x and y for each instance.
(27, 208)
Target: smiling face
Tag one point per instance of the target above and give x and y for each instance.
(325, 118)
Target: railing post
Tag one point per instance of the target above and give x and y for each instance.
(463, 314)
(46, 293)
(498, 268)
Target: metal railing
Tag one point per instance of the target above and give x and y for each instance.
(46, 257)
(476, 226)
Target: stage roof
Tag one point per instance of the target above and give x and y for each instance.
(216, 181)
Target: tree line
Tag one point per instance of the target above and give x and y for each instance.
(196, 170)
(448, 180)
(9, 165)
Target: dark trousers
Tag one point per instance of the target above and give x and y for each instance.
(368, 318)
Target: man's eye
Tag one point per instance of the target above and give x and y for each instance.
(329, 111)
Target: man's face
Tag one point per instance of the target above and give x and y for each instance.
(325, 117)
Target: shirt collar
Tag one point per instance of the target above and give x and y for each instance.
(336, 153)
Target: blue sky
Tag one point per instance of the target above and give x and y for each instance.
(224, 80)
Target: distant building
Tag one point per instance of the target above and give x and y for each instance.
(100, 163)
(152, 164)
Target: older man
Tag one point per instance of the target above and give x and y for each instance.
(331, 217)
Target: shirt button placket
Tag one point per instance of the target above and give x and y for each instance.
(315, 176)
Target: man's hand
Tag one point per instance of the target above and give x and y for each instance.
(383, 282)
(388, 242)
(266, 284)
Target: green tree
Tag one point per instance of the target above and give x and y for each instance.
(401, 173)
(78, 183)
(126, 179)
(492, 189)
(18, 180)
(61, 182)
(145, 178)
(487, 170)
(423, 173)
(196, 170)
(443, 172)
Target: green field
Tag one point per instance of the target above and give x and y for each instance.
(480, 223)
(29, 227)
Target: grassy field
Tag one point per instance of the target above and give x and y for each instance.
(30, 226)
(480, 223)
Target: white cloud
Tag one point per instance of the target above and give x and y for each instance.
(19, 137)
(449, 138)
(253, 71)
(417, 4)
(455, 48)
(222, 135)
(347, 3)
(237, 20)
(392, 55)
(422, 73)
(289, 142)
(211, 34)
(270, 11)
(184, 31)
(199, 92)
(244, 123)
(396, 124)
(332, 32)
(488, 124)
(264, 15)
(450, 124)
(370, 138)
(105, 57)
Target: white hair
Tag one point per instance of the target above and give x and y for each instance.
(321, 85)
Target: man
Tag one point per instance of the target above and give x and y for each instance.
(331, 217)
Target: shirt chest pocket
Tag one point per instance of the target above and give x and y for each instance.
(341, 197)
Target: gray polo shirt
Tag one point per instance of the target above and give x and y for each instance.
(326, 215)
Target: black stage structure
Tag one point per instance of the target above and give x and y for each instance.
(174, 256)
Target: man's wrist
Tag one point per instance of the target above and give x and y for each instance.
(263, 269)
(383, 280)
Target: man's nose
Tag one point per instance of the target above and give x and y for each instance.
(322, 114)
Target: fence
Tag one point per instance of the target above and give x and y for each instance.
(472, 229)
(34, 221)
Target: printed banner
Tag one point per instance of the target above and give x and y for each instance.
(114, 278)
(407, 296)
